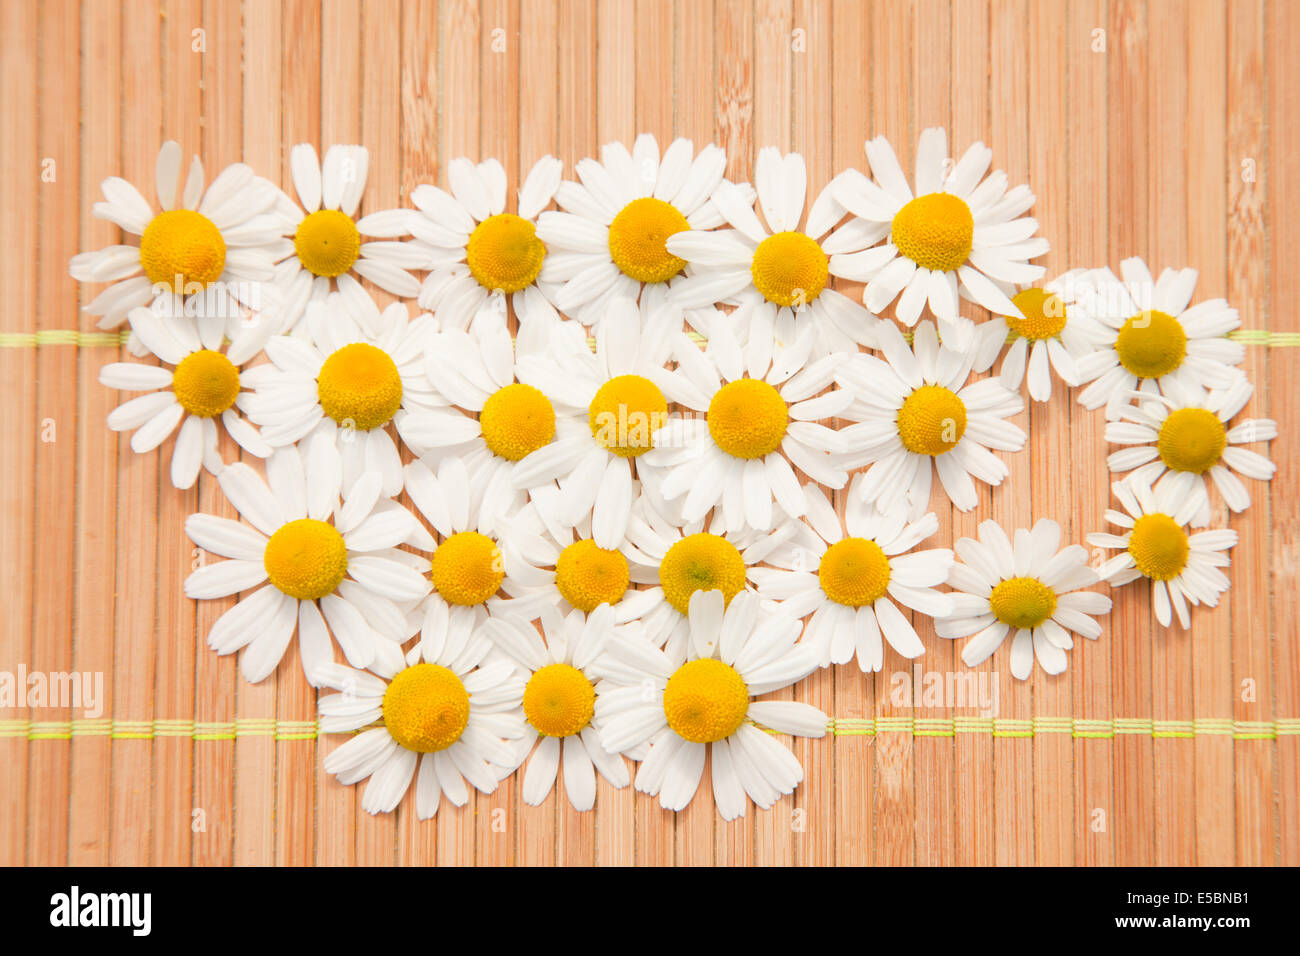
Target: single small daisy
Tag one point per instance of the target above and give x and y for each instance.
(312, 562)
(959, 233)
(916, 408)
(698, 703)
(1147, 335)
(327, 244)
(480, 253)
(1029, 588)
(742, 454)
(446, 719)
(206, 260)
(560, 702)
(1182, 568)
(203, 385)
(845, 575)
(1182, 438)
(338, 380)
(776, 274)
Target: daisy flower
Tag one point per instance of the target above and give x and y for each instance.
(699, 702)
(560, 702)
(739, 455)
(775, 273)
(959, 233)
(1030, 588)
(327, 242)
(338, 380)
(203, 385)
(204, 259)
(446, 719)
(1182, 568)
(915, 408)
(1148, 337)
(849, 575)
(1182, 438)
(312, 562)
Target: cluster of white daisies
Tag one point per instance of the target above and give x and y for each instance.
(495, 620)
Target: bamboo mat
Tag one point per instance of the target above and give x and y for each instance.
(1161, 129)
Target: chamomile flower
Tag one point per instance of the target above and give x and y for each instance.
(338, 380)
(776, 274)
(481, 253)
(1182, 568)
(849, 575)
(916, 408)
(446, 719)
(1182, 438)
(740, 455)
(205, 260)
(958, 233)
(698, 702)
(560, 702)
(328, 251)
(203, 385)
(312, 562)
(609, 240)
(1148, 336)
(1029, 588)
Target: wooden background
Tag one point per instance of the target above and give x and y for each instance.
(1138, 125)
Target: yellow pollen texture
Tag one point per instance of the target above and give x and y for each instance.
(705, 700)
(625, 413)
(426, 708)
(1044, 315)
(516, 421)
(559, 700)
(1159, 546)
(935, 231)
(1151, 344)
(467, 568)
(206, 383)
(588, 575)
(789, 269)
(184, 243)
(306, 559)
(504, 253)
(1022, 602)
(931, 421)
(637, 238)
(854, 572)
(359, 386)
(747, 418)
(327, 243)
(1191, 439)
(701, 562)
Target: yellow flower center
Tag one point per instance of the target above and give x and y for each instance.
(588, 575)
(516, 421)
(306, 559)
(467, 568)
(359, 386)
(701, 562)
(748, 418)
(426, 708)
(637, 238)
(705, 700)
(934, 231)
(931, 421)
(559, 700)
(1044, 315)
(1022, 602)
(206, 383)
(789, 269)
(1191, 439)
(625, 413)
(504, 253)
(327, 243)
(1151, 344)
(180, 248)
(1159, 546)
(854, 572)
